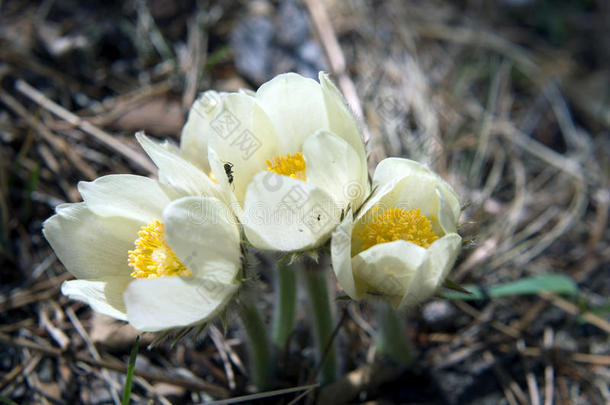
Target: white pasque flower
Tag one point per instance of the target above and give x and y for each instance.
(403, 241)
(145, 252)
(290, 156)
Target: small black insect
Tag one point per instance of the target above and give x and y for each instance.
(229, 171)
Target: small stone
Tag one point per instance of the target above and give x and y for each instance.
(46, 370)
(438, 315)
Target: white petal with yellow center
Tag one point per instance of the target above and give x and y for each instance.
(425, 180)
(403, 242)
(205, 239)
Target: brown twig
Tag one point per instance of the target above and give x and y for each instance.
(336, 60)
(104, 137)
(192, 384)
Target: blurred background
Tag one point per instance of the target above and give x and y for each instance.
(509, 100)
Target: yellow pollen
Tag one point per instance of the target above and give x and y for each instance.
(212, 177)
(152, 257)
(291, 165)
(396, 224)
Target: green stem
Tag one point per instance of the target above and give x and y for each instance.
(316, 283)
(285, 304)
(393, 339)
(261, 362)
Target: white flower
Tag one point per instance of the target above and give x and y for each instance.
(290, 155)
(403, 241)
(141, 257)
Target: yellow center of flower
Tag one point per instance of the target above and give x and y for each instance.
(152, 257)
(291, 165)
(396, 224)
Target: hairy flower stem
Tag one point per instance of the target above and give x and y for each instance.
(261, 361)
(392, 339)
(316, 282)
(285, 304)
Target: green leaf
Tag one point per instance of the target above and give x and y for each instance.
(130, 368)
(452, 285)
(556, 283)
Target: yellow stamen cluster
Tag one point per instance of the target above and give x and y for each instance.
(291, 165)
(396, 224)
(152, 257)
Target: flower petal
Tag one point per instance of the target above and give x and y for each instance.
(391, 168)
(447, 219)
(180, 177)
(242, 136)
(388, 269)
(204, 235)
(86, 245)
(441, 257)
(342, 122)
(420, 190)
(296, 107)
(340, 250)
(102, 296)
(334, 166)
(124, 195)
(169, 302)
(195, 133)
(282, 213)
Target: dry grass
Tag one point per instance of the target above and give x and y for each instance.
(494, 108)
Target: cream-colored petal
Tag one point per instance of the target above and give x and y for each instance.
(296, 107)
(228, 189)
(334, 166)
(105, 296)
(447, 220)
(195, 133)
(243, 137)
(204, 235)
(440, 259)
(419, 190)
(391, 168)
(124, 195)
(342, 122)
(340, 250)
(282, 213)
(169, 302)
(85, 245)
(388, 269)
(381, 195)
(180, 177)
